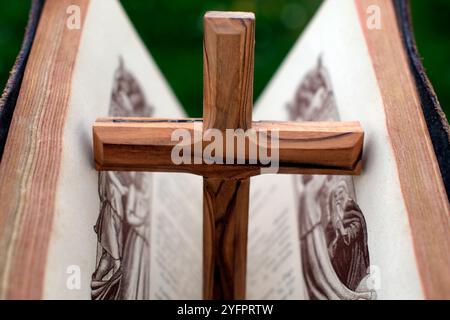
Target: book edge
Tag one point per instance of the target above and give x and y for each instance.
(428, 218)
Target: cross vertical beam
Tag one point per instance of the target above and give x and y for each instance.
(228, 57)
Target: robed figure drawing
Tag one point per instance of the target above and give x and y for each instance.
(333, 232)
(123, 225)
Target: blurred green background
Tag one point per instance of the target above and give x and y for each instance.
(172, 30)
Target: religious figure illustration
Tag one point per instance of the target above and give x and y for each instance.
(123, 225)
(333, 232)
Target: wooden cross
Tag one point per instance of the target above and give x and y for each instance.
(145, 144)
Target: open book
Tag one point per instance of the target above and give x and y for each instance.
(69, 232)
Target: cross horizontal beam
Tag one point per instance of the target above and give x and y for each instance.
(127, 144)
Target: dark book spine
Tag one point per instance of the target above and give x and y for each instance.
(11, 92)
(437, 123)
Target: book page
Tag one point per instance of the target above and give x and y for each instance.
(177, 237)
(354, 233)
(273, 267)
(120, 232)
